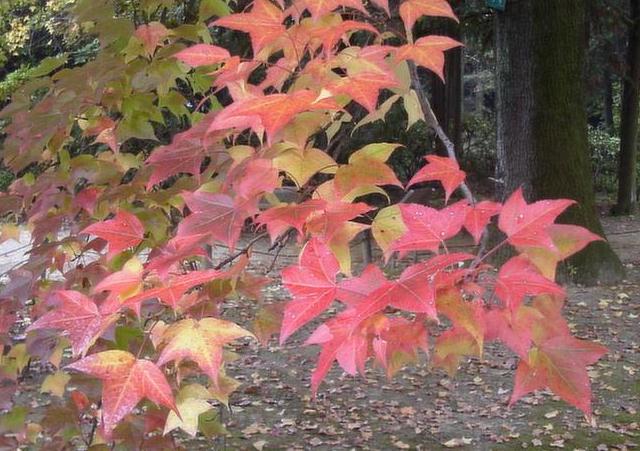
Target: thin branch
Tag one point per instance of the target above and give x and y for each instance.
(94, 426)
(626, 232)
(279, 245)
(432, 121)
(244, 251)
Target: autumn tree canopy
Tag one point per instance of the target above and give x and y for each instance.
(122, 215)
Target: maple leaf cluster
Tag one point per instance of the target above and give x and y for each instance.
(121, 267)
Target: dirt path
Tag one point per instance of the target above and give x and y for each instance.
(424, 409)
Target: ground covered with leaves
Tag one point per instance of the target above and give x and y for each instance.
(422, 408)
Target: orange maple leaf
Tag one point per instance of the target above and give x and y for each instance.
(263, 23)
(428, 52)
(412, 10)
(200, 341)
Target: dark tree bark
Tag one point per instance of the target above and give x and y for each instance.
(447, 98)
(627, 183)
(514, 93)
(542, 120)
(608, 103)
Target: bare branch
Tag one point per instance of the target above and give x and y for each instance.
(244, 251)
(432, 121)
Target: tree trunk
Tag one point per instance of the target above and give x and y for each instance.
(447, 98)
(608, 104)
(627, 183)
(542, 120)
(514, 93)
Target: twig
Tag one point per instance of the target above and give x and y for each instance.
(406, 196)
(431, 120)
(94, 425)
(244, 251)
(280, 245)
(626, 232)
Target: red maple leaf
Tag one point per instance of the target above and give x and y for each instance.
(356, 289)
(567, 239)
(412, 10)
(443, 169)
(478, 216)
(77, 317)
(415, 290)
(126, 381)
(329, 222)
(104, 131)
(269, 113)
(399, 343)
(428, 228)
(122, 283)
(518, 278)
(173, 289)
(233, 73)
(319, 8)
(514, 329)
(263, 23)
(330, 35)
(217, 215)
(254, 177)
(428, 52)
(347, 337)
(312, 283)
(363, 88)
(122, 232)
(280, 218)
(202, 55)
(560, 364)
(526, 224)
(151, 36)
(164, 259)
(384, 4)
(88, 198)
(344, 339)
(183, 155)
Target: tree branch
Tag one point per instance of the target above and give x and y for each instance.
(431, 120)
(244, 251)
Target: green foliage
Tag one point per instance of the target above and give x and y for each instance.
(604, 149)
(6, 177)
(13, 81)
(30, 27)
(479, 144)
(416, 140)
